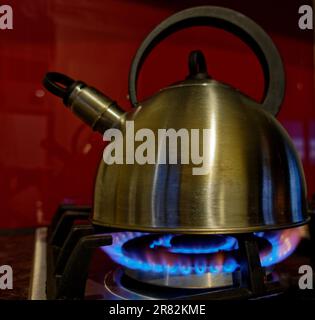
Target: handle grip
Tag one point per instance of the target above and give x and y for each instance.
(236, 23)
(58, 84)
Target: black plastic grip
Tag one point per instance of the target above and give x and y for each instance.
(236, 23)
(58, 84)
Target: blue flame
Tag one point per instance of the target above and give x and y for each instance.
(282, 243)
(229, 244)
(200, 266)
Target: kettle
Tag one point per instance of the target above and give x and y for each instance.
(255, 180)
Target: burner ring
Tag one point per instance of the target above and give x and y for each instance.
(159, 257)
(174, 255)
(205, 280)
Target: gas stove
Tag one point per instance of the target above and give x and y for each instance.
(75, 260)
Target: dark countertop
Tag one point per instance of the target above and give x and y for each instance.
(16, 250)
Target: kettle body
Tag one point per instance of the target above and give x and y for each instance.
(254, 180)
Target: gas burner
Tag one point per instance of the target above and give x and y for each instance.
(182, 261)
(193, 261)
(171, 265)
(178, 261)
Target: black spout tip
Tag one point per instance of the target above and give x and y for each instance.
(58, 84)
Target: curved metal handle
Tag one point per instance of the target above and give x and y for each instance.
(236, 23)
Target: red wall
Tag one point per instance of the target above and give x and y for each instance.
(47, 156)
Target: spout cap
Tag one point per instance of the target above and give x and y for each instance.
(60, 85)
(91, 106)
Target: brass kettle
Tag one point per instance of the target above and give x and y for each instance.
(255, 179)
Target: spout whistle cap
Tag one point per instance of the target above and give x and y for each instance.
(60, 85)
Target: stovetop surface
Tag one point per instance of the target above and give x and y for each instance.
(103, 268)
(18, 250)
(107, 280)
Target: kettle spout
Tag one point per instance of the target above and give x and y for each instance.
(91, 106)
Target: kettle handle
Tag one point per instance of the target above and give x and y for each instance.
(236, 23)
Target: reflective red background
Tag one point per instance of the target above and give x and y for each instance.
(48, 156)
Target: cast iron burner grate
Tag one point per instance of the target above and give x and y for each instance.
(71, 245)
